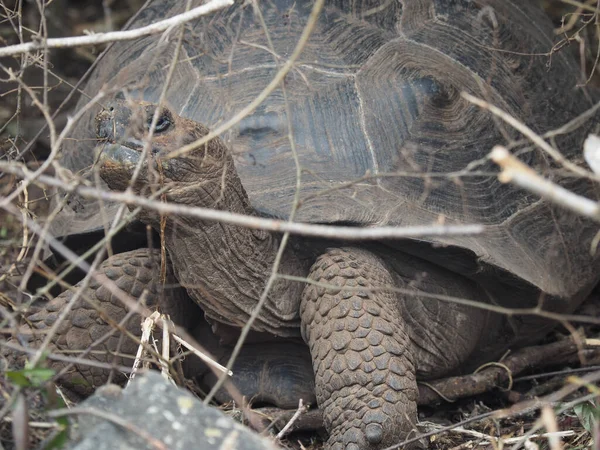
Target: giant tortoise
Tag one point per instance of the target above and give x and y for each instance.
(372, 121)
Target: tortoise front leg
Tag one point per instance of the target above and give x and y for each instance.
(364, 372)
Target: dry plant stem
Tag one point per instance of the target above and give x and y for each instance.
(147, 327)
(67, 359)
(573, 124)
(56, 144)
(402, 445)
(53, 139)
(85, 267)
(58, 278)
(73, 90)
(494, 377)
(536, 311)
(308, 420)
(91, 273)
(514, 171)
(10, 402)
(25, 245)
(282, 226)
(306, 32)
(522, 440)
(166, 346)
(131, 304)
(34, 258)
(20, 424)
(531, 135)
(479, 435)
(127, 35)
(549, 400)
(580, 5)
(120, 326)
(549, 419)
(558, 373)
(34, 424)
(453, 388)
(519, 409)
(279, 77)
(67, 309)
(152, 441)
(207, 359)
(148, 144)
(301, 409)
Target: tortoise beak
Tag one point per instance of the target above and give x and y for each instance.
(116, 152)
(117, 163)
(118, 155)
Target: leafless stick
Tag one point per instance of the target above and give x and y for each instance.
(531, 135)
(549, 420)
(277, 79)
(282, 226)
(166, 346)
(127, 35)
(489, 438)
(20, 424)
(284, 430)
(549, 400)
(581, 5)
(535, 311)
(147, 327)
(514, 171)
(34, 424)
(67, 359)
(202, 356)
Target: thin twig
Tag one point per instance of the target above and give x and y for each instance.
(532, 136)
(282, 226)
(301, 409)
(147, 326)
(127, 35)
(207, 359)
(518, 173)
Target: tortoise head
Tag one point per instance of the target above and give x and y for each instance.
(192, 178)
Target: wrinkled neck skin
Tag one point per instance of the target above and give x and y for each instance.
(225, 268)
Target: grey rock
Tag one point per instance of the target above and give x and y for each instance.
(162, 412)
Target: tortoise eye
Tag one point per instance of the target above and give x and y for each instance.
(162, 124)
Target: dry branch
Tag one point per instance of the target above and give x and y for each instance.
(514, 171)
(282, 226)
(532, 136)
(453, 388)
(127, 35)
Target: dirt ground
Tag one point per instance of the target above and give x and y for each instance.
(20, 121)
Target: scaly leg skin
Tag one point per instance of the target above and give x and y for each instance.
(364, 373)
(132, 272)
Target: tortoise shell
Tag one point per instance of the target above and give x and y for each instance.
(381, 131)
